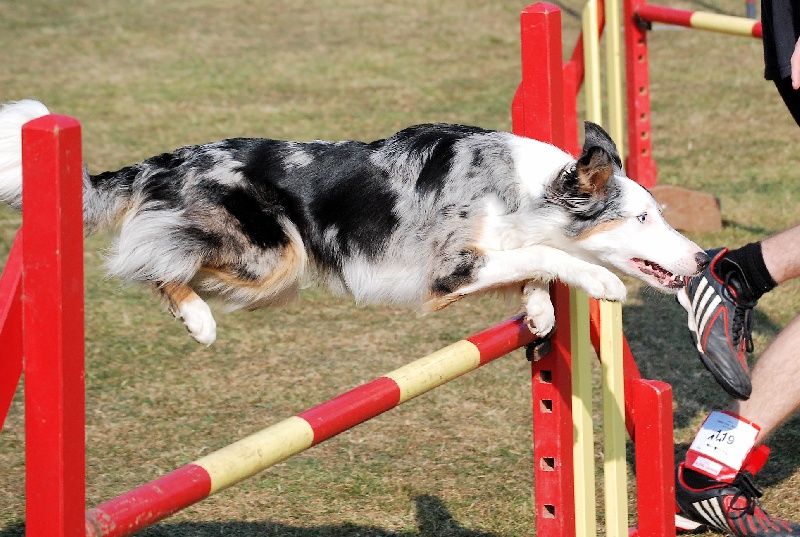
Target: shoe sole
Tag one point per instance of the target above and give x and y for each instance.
(684, 525)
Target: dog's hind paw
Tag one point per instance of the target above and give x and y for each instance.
(540, 326)
(197, 317)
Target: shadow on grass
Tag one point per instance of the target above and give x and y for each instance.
(433, 520)
(753, 230)
(707, 6)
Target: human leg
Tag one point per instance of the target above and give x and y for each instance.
(728, 500)
(782, 254)
(725, 497)
(730, 504)
(775, 377)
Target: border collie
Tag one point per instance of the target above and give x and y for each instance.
(424, 217)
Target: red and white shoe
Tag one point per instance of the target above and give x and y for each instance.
(731, 508)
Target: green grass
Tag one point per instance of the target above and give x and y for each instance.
(146, 77)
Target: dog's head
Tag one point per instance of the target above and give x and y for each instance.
(615, 222)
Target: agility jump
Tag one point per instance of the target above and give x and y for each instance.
(545, 108)
(51, 259)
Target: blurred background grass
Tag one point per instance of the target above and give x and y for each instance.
(146, 77)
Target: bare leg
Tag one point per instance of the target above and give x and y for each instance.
(782, 254)
(775, 376)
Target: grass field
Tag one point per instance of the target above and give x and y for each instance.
(146, 77)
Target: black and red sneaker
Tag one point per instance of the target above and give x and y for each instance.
(721, 322)
(731, 508)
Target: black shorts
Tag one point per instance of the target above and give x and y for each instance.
(781, 27)
(790, 96)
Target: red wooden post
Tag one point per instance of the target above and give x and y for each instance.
(640, 165)
(539, 113)
(542, 79)
(10, 327)
(553, 429)
(655, 458)
(52, 316)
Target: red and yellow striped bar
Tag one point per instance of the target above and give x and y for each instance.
(196, 481)
(700, 20)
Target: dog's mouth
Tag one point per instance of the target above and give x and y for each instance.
(664, 277)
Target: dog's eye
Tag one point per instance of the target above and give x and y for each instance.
(642, 218)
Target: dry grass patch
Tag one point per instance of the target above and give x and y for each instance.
(146, 77)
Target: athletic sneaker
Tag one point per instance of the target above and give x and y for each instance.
(730, 508)
(721, 322)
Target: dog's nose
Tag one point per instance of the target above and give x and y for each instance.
(702, 260)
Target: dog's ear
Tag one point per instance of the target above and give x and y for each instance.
(593, 169)
(598, 161)
(596, 136)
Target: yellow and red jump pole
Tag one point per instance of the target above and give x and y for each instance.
(200, 479)
(699, 20)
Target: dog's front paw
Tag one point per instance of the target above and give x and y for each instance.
(199, 321)
(539, 314)
(602, 284)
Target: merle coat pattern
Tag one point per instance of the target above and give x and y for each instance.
(422, 218)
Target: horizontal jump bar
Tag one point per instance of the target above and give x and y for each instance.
(221, 469)
(698, 19)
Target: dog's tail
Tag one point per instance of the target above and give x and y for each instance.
(104, 195)
(12, 117)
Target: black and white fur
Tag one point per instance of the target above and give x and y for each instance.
(424, 217)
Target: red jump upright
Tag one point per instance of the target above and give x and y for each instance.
(539, 111)
(10, 326)
(52, 322)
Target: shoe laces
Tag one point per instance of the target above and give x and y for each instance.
(742, 323)
(749, 491)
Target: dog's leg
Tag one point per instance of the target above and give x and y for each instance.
(539, 314)
(185, 305)
(544, 264)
